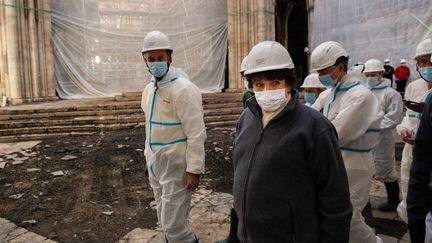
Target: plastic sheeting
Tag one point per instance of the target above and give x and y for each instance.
(97, 44)
(374, 28)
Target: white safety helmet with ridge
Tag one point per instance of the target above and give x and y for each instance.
(403, 61)
(243, 65)
(386, 60)
(156, 40)
(312, 81)
(423, 48)
(326, 54)
(373, 65)
(266, 56)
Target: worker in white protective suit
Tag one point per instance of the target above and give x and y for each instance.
(415, 94)
(356, 115)
(312, 88)
(384, 152)
(320, 101)
(175, 135)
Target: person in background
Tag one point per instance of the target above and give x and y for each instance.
(419, 199)
(384, 152)
(290, 184)
(175, 136)
(416, 93)
(312, 88)
(248, 92)
(388, 71)
(402, 73)
(356, 115)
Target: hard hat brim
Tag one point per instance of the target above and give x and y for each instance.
(169, 48)
(269, 68)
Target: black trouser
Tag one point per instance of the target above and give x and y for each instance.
(417, 230)
(400, 85)
(232, 237)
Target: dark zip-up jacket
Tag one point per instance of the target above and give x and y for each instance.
(290, 183)
(419, 198)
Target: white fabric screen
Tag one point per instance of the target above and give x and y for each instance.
(97, 43)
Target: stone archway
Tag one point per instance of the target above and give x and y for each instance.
(291, 24)
(250, 22)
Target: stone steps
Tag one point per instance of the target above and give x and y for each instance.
(81, 117)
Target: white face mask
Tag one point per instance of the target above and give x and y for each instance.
(271, 100)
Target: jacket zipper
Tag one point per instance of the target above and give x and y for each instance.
(292, 223)
(256, 147)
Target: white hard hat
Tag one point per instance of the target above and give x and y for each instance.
(243, 65)
(403, 61)
(326, 54)
(156, 40)
(312, 81)
(423, 48)
(386, 60)
(266, 56)
(374, 65)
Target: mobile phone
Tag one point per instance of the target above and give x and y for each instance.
(411, 102)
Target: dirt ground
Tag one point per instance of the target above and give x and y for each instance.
(107, 177)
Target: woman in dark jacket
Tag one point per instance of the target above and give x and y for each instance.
(290, 183)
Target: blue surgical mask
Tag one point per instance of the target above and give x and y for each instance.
(158, 69)
(327, 81)
(426, 73)
(310, 98)
(372, 81)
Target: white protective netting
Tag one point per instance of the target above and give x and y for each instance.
(374, 28)
(97, 43)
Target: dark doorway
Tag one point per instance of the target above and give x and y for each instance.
(292, 32)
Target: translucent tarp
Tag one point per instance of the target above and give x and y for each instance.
(374, 28)
(97, 43)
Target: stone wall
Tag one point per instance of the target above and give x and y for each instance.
(26, 59)
(249, 22)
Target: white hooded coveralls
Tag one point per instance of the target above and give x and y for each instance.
(415, 91)
(175, 135)
(356, 115)
(384, 151)
(319, 102)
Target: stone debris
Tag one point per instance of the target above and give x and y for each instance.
(31, 221)
(139, 235)
(69, 157)
(11, 156)
(58, 173)
(10, 148)
(138, 150)
(2, 165)
(33, 169)
(18, 162)
(153, 204)
(16, 196)
(217, 149)
(28, 153)
(109, 213)
(122, 146)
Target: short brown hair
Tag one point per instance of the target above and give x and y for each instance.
(281, 74)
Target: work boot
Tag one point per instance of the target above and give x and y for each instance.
(393, 200)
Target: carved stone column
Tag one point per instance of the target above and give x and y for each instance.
(249, 22)
(26, 59)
